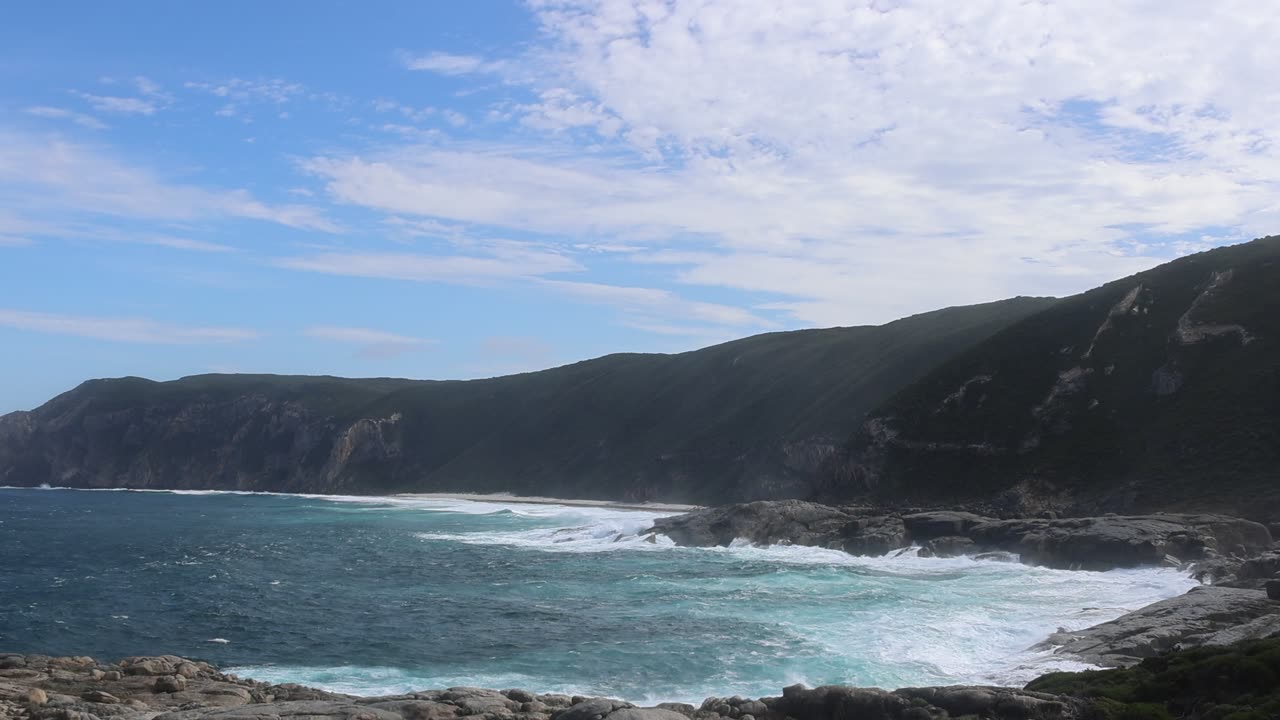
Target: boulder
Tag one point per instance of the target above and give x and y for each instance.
(874, 535)
(835, 702)
(226, 696)
(947, 546)
(845, 703)
(787, 522)
(169, 684)
(645, 714)
(478, 701)
(419, 709)
(1104, 543)
(591, 709)
(290, 710)
(99, 696)
(765, 522)
(928, 525)
(1263, 567)
(147, 666)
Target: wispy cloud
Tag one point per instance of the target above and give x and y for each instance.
(11, 241)
(119, 105)
(513, 264)
(176, 243)
(373, 343)
(450, 64)
(859, 163)
(46, 176)
(651, 301)
(56, 113)
(117, 329)
(273, 90)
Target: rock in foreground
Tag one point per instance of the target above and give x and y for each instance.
(36, 687)
(1204, 616)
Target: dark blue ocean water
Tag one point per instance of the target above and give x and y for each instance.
(388, 595)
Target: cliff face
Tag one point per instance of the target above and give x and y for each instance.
(755, 418)
(225, 437)
(1157, 392)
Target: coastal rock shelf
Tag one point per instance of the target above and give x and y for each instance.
(37, 687)
(1089, 543)
(1205, 616)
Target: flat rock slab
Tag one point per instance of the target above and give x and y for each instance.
(293, 710)
(1204, 616)
(1090, 543)
(105, 692)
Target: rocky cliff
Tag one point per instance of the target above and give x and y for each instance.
(752, 418)
(1160, 391)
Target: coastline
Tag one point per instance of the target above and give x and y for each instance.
(168, 687)
(506, 498)
(542, 500)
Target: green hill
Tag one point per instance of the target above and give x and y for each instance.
(754, 418)
(1160, 391)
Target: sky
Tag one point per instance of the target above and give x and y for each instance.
(468, 189)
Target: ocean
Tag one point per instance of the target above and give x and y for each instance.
(387, 595)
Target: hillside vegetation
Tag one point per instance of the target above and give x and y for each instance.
(758, 417)
(1160, 391)
(1239, 682)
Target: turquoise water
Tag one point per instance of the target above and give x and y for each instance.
(387, 595)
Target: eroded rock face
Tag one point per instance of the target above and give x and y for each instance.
(767, 522)
(846, 703)
(1204, 616)
(34, 687)
(1094, 543)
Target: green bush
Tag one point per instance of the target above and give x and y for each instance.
(1241, 682)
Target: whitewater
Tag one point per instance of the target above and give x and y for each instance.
(386, 595)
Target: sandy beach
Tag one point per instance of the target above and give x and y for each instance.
(539, 500)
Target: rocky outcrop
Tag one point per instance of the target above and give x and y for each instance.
(1204, 616)
(1241, 572)
(787, 522)
(760, 417)
(846, 703)
(1094, 543)
(36, 687)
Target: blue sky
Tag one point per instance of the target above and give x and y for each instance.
(451, 190)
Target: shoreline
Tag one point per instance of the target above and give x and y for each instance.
(543, 500)
(506, 498)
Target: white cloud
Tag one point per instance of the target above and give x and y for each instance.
(148, 87)
(55, 113)
(272, 90)
(119, 105)
(449, 64)
(652, 301)
(373, 343)
(178, 243)
(131, 330)
(511, 263)
(48, 176)
(850, 161)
